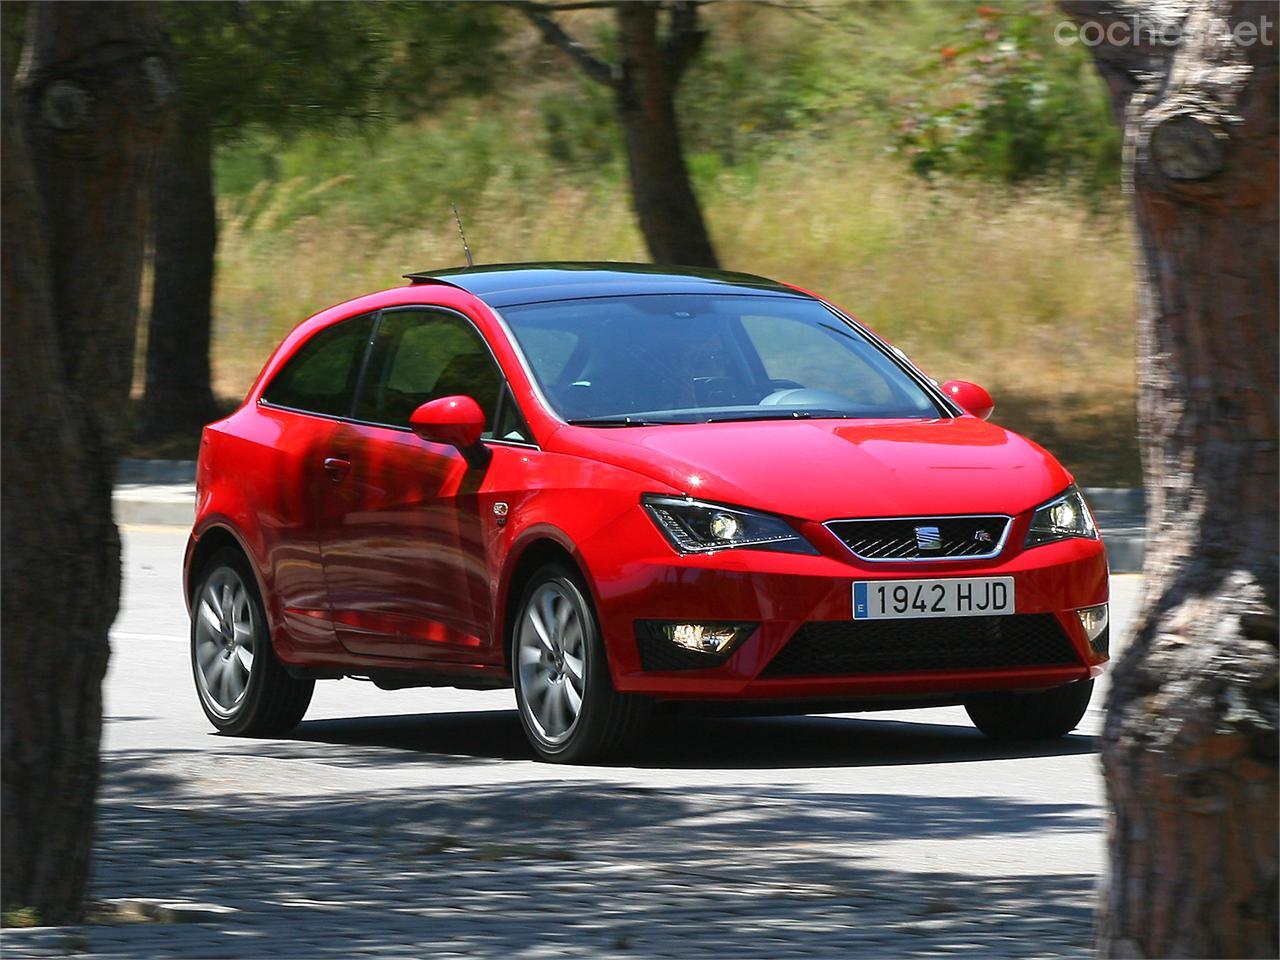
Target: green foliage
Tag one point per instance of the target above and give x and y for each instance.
(956, 89)
(741, 96)
(579, 130)
(385, 178)
(301, 64)
(1004, 101)
(15, 916)
(949, 90)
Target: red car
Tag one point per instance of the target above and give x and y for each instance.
(613, 487)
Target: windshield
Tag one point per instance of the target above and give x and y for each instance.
(689, 358)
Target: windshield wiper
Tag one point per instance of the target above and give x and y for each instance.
(780, 415)
(622, 422)
(745, 416)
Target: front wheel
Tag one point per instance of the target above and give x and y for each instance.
(243, 689)
(1043, 715)
(568, 707)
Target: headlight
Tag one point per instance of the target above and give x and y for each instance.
(1062, 518)
(696, 527)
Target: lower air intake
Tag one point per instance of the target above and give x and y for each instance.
(838, 647)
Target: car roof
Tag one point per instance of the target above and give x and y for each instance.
(508, 284)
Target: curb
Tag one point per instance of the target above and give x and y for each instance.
(1117, 499)
(167, 505)
(1121, 513)
(155, 471)
(155, 493)
(1126, 544)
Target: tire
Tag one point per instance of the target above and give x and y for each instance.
(1044, 715)
(241, 685)
(557, 658)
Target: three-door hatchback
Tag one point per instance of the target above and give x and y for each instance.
(613, 487)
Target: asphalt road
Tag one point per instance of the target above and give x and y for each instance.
(900, 833)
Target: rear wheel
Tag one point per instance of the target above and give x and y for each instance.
(1043, 715)
(569, 709)
(243, 689)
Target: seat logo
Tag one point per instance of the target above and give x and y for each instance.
(928, 538)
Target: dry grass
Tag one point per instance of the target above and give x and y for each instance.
(1026, 293)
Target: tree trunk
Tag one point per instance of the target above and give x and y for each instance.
(644, 95)
(95, 96)
(1190, 742)
(178, 396)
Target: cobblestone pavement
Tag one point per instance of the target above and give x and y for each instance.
(537, 869)
(416, 824)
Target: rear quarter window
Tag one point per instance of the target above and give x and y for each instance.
(321, 376)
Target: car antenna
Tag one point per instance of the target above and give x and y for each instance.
(465, 248)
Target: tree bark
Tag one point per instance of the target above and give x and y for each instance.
(644, 87)
(178, 396)
(644, 94)
(95, 97)
(1190, 742)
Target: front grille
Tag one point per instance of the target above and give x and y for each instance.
(923, 538)
(830, 648)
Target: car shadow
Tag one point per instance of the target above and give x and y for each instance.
(700, 742)
(563, 866)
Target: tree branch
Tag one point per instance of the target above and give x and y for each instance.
(553, 33)
(573, 5)
(684, 38)
(800, 10)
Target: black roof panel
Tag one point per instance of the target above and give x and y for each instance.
(507, 284)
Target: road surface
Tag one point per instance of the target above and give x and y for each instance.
(416, 823)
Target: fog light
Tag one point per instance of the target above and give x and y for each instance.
(702, 637)
(1094, 620)
(675, 645)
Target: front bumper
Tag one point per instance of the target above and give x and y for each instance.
(784, 592)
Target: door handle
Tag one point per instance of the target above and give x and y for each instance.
(337, 468)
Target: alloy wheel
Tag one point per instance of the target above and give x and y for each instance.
(225, 641)
(551, 655)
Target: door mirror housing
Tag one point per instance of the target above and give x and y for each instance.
(457, 421)
(971, 398)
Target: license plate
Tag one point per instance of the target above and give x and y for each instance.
(913, 599)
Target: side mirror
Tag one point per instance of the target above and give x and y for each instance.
(971, 398)
(458, 421)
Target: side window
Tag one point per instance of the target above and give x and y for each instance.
(421, 355)
(511, 425)
(321, 375)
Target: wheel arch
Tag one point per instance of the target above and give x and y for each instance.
(212, 539)
(534, 555)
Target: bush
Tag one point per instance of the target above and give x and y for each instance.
(1006, 102)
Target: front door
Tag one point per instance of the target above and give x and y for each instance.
(401, 535)
(301, 411)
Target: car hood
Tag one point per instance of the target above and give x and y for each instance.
(824, 469)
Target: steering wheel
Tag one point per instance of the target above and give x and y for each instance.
(715, 391)
(782, 383)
